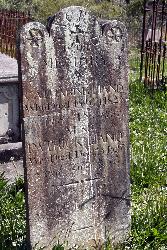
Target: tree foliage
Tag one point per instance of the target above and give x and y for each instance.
(41, 9)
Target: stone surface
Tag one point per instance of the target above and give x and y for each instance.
(9, 100)
(75, 119)
(12, 170)
(8, 68)
(9, 112)
(11, 161)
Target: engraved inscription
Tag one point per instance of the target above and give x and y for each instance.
(76, 131)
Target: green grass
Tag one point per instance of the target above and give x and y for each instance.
(148, 133)
(12, 215)
(148, 136)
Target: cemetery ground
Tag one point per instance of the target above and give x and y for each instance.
(148, 177)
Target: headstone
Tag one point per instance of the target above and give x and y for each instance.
(75, 118)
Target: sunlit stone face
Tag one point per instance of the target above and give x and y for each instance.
(75, 93)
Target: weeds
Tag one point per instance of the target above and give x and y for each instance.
(148, 122)
(12, 215)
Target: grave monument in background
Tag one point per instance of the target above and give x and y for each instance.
(75, 123)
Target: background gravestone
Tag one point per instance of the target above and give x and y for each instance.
(75, 115)
(9, 103)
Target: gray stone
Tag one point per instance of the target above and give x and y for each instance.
(75, 120)
(9, 67)
(9, 112)
(11, 161)
(12, 170)
(9, 100)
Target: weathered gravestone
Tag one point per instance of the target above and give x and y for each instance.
(75, 112)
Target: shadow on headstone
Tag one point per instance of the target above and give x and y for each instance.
(75, 118)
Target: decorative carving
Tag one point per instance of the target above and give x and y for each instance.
(114, 34)
(76, 131)
(35, 36)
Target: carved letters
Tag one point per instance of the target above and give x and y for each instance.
(76, 128)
